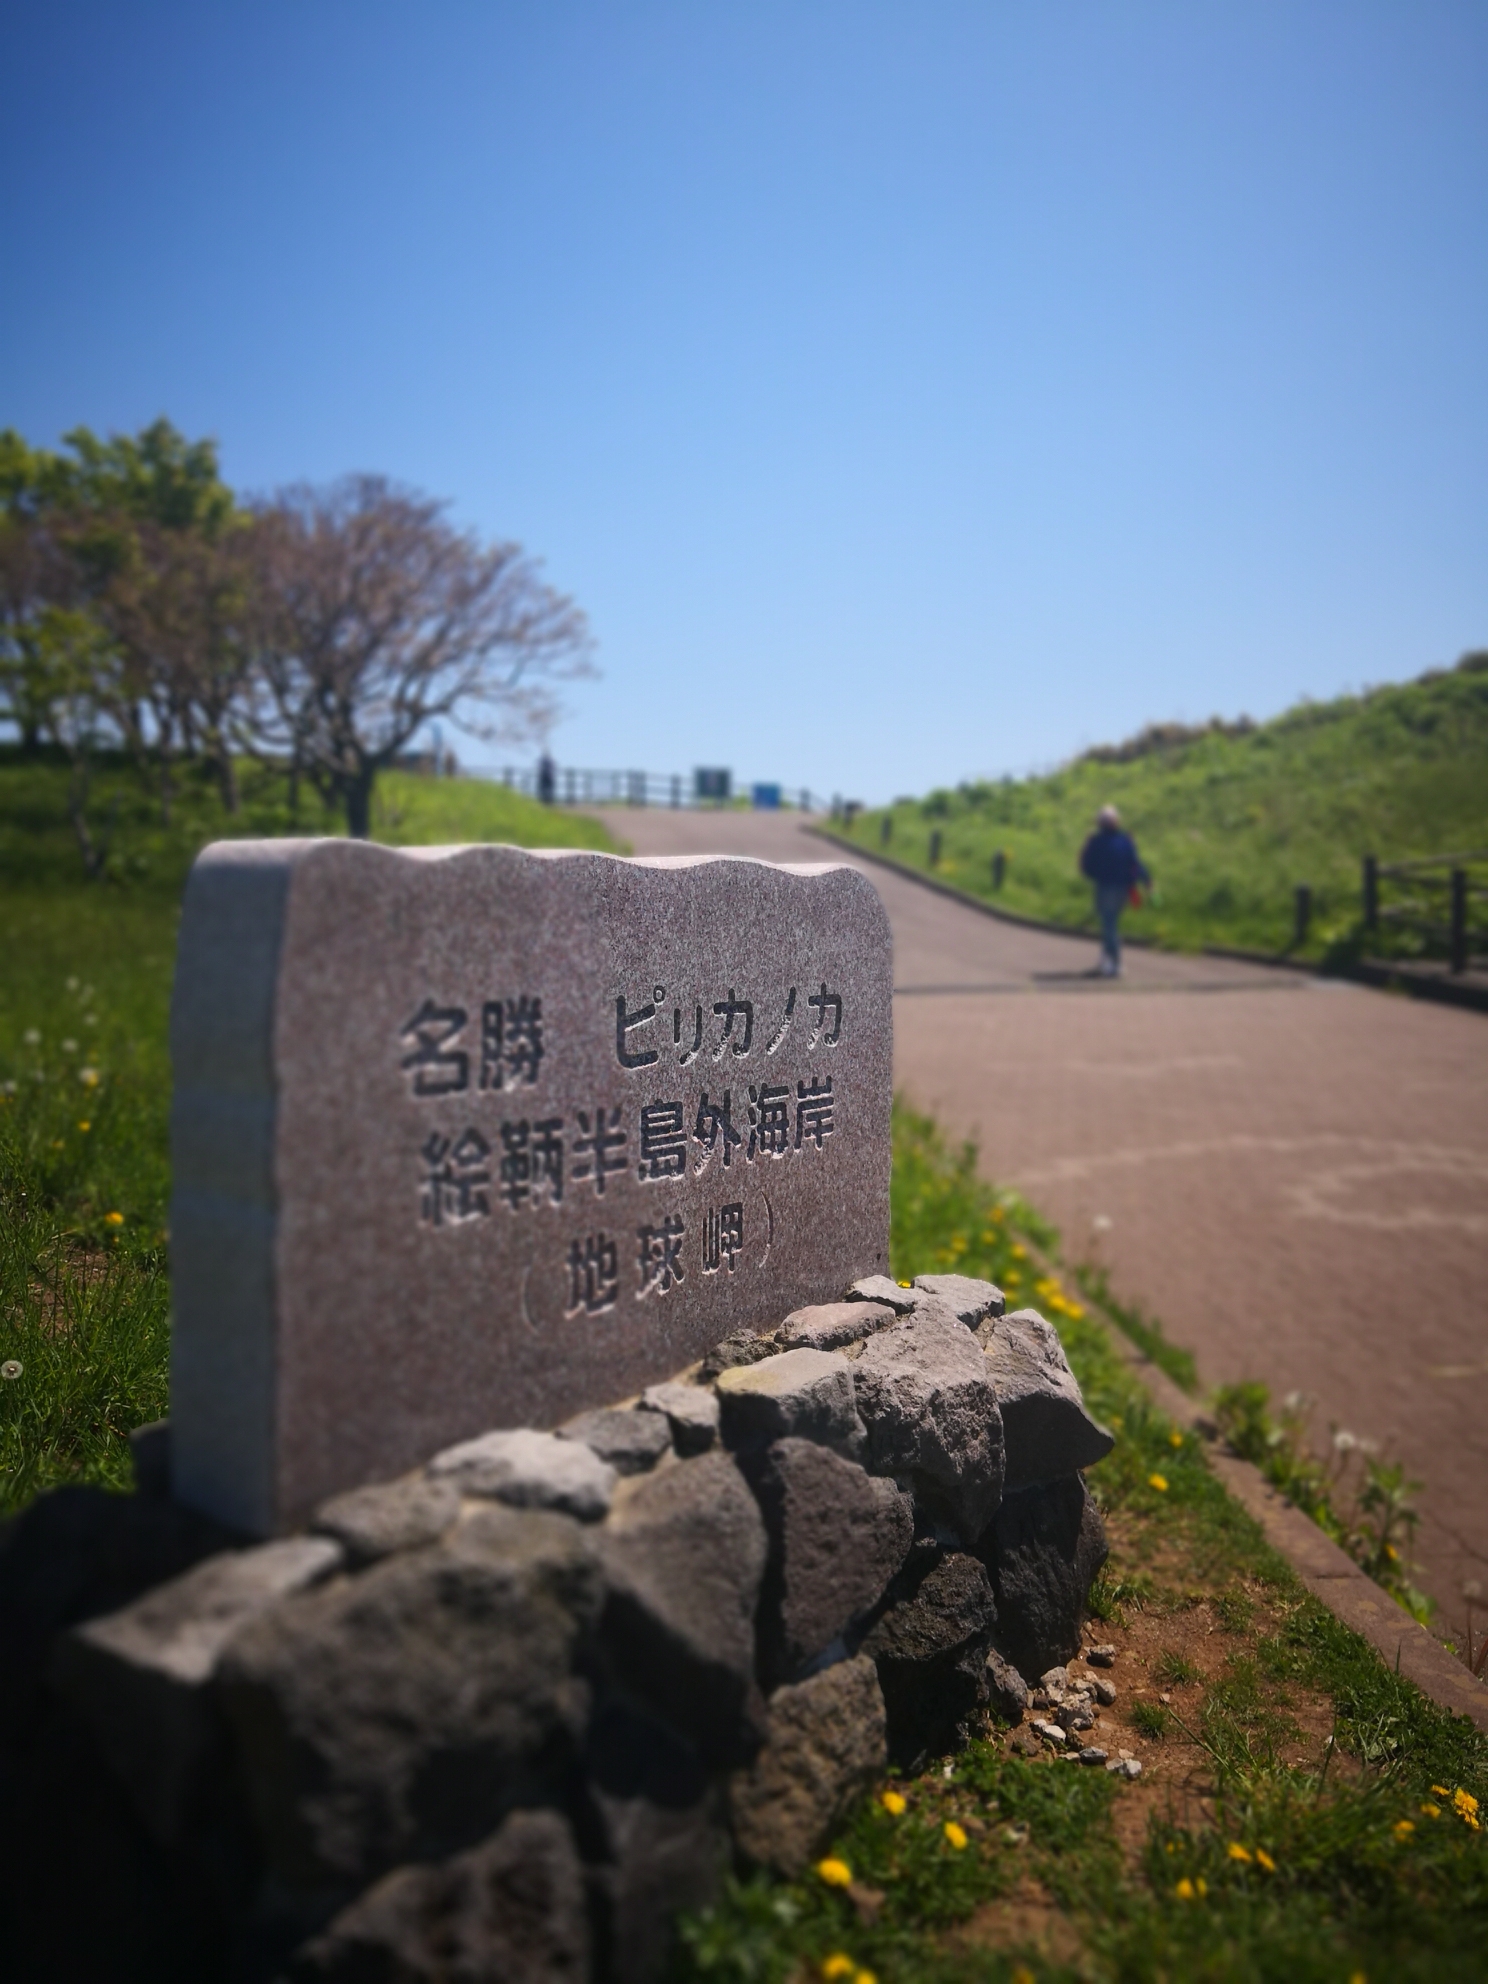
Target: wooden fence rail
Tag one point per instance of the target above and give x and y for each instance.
(1444, 887)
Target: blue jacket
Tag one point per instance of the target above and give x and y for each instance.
(1110, 859)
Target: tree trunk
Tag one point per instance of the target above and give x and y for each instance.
(358, 790)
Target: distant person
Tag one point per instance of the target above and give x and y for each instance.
(547, 780)
(1109, 859)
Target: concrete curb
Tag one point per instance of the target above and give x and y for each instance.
(1329, 1573)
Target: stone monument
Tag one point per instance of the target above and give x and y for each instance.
(466, 1138)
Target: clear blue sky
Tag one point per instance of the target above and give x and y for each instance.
(907, 392)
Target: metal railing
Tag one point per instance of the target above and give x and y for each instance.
(574, 785)
(1444, 887)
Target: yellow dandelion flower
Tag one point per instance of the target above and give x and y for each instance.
(1159, 1482)
(1392, 1553)
(1440, 1791)
(1239, 1852)
(1464, 1801)
(1358, 1977)
(1175, 1438)
(838, 1964)
(864, 1977)
(1263, 1859)
(1431, 1811)
(58, 1143)
(894, 1803)
(1403, 1828)
(1074, 1311)
(904, 1284)
(85, 1128)
(1022, 1976)
(955, 1835)
(88, 1077)
(113, 1219)
(1202, 1885)
(836, 1873)
(1185, 1889)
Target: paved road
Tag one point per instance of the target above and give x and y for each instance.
(1295, 1172)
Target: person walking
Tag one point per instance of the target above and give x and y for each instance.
(1110, 861)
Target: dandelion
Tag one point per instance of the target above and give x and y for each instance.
(1392, 1553)
(1075, 1311)
(32, 1036)
(69, 1047)
(1203, 1887)
(88, 1077)
(85, 1127)
(1159, 1482)
(836, 1873)
(1344, 1441)
(1431, 1811)
(955, 1835)
(864, 1977)
(904, 1284)
(1022, 1976)
(1403, 1828)
(838, 1964)
(113, 1219)
(7, 1088)
(1263, 1859)
(11, 1369)
(1466, 1807)
(1239, 1852)
(58, 1144)
(1440, 1791)
(1185, 1889)
(894, 1804)
(73, 984)
(1102, 1223)
(1175, 1438)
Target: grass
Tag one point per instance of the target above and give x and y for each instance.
(1229, 823)
(1295, 1819)
(85, 1086)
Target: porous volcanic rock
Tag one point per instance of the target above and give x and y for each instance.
(969, 1301)
(1045, 1426)
(684, 1554)
(930, 1650)
(837, 1536)
(374, 1522)
(691, 1412)
(832, 1325)
(827, 1744)
(529, 1470)
(923, 1390)
(1042, 1553)
(806, 1394)
(631, 1441)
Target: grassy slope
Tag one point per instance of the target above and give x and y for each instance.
(1230, 825)
(83, 1147)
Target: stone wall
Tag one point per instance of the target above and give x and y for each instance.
(505, 1716)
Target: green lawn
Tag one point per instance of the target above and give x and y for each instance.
(85, 1084)
(1229, 824)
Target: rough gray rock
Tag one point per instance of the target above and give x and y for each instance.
(684, 1552)
(831, 1325)
(923, 1389)
(741, 1347)
(529, 1470)
(797, 1394)
(141, 1677)
(511, 1908)
(837, 1536)
(1042, 1552)
(930, 1650)
(663, 1844)
(1045, 1425)
(691, 1412)
(371, 1523)
(880, 1288)
(1007, 1691)
(400, 1714)
(630, 1440)
(827, 1744)
(1100, 1656)
(969, 1301)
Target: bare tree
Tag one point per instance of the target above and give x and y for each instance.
(379, 615)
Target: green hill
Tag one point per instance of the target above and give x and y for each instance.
(1229, 817)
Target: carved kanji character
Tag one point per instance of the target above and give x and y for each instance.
(660, 1255)
(819, 1002)
(516, 1163)
(723, 1237)
(436, 1067)
(690, 1053)
(714, 1121)
(663, 1141)
(728, 1010)
(547, 1157)
(456, 1179)
(593, 1274)
(595, 1151)
(511, 1042)
(814, 1110)
(769, 1119)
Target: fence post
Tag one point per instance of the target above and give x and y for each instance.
(1371, 892)
(886, 830)
(1303, 915)
(999, 868)
(676, 788)
(935, 848)
(1459, 919)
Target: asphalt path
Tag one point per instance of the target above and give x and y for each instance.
(1291, 1173)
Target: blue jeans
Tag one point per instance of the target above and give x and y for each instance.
(1110, 900)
